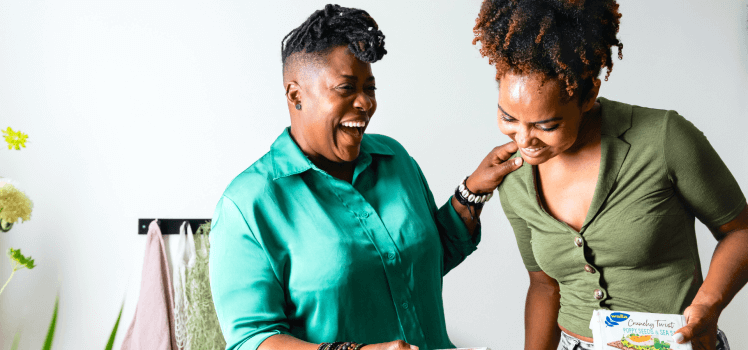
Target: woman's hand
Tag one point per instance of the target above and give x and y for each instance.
(701, 327)
(493, 168)
(393, 345)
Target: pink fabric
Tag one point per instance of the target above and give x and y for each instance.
(152, 327)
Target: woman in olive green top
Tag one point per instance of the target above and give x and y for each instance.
(603, 209)
(334, 234)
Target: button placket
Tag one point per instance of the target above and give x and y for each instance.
(394, 270)
(579, 242)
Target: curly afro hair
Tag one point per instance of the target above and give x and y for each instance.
(569, 40)
(335, 26)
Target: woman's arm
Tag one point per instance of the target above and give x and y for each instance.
(486, 178)
(728, 273)
(287, 342)
(709, 191)
(541, 312)
(284, 341)
(465, 215)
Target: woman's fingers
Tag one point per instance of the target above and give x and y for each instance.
(393, 345)
(493, 168)
(503, 152)
(508, 166)
(402, 345)
(701, 328)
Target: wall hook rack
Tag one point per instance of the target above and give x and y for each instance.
(169, 226)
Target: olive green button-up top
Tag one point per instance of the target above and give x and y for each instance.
(297, 251)
(636, 250)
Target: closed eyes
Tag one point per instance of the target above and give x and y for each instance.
(509, 119)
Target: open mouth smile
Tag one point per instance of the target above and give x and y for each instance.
(354, 128)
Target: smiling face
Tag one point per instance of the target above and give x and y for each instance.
(536, 118)
(337, 102)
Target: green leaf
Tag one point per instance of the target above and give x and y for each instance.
(16, 340)
(15, 255)
(52, 325)
(110, 344)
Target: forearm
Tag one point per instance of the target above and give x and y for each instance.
(541, 315)
(286, 342)
(465, 215)
(728, 271)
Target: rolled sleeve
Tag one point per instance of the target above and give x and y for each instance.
(248, 297)
(456, 240)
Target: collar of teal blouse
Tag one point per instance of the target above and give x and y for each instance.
(289, 160)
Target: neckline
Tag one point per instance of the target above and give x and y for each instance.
(592, 210)
(539, 202)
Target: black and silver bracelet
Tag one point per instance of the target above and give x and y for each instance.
(471, 199)
(341, 346)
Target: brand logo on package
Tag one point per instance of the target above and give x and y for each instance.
(614, 318)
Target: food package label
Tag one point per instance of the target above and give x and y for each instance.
(612, 330)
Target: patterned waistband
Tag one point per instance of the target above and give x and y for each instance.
(569, 341)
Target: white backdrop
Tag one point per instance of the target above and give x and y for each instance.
(149, 109)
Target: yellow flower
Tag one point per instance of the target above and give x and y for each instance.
(14, 204)
(15, 139)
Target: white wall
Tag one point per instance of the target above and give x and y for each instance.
(149, 109)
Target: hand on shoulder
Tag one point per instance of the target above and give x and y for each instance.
(493, 168)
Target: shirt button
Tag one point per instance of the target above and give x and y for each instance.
(391, 256)
(589, 268)
(405, 305)
(578, 241)
(599, 294)
(364, 215)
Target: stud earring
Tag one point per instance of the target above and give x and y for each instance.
(298, 106)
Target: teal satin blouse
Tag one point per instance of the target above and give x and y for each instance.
(296, 251)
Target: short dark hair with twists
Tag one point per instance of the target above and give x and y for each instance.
(335, 26)
(569, 40)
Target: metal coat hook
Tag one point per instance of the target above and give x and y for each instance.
(169, 226)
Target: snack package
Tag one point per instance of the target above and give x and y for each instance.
(613, 330)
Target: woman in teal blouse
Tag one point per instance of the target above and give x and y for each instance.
(334, 234)
(603, 210)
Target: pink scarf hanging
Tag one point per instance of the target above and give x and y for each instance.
(152, 326)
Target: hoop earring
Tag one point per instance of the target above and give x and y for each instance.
(298, 106)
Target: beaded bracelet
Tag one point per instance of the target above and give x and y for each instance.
(471, 199)
(340, 346)
(474, 199)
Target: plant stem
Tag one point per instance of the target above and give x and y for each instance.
(11, 276)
